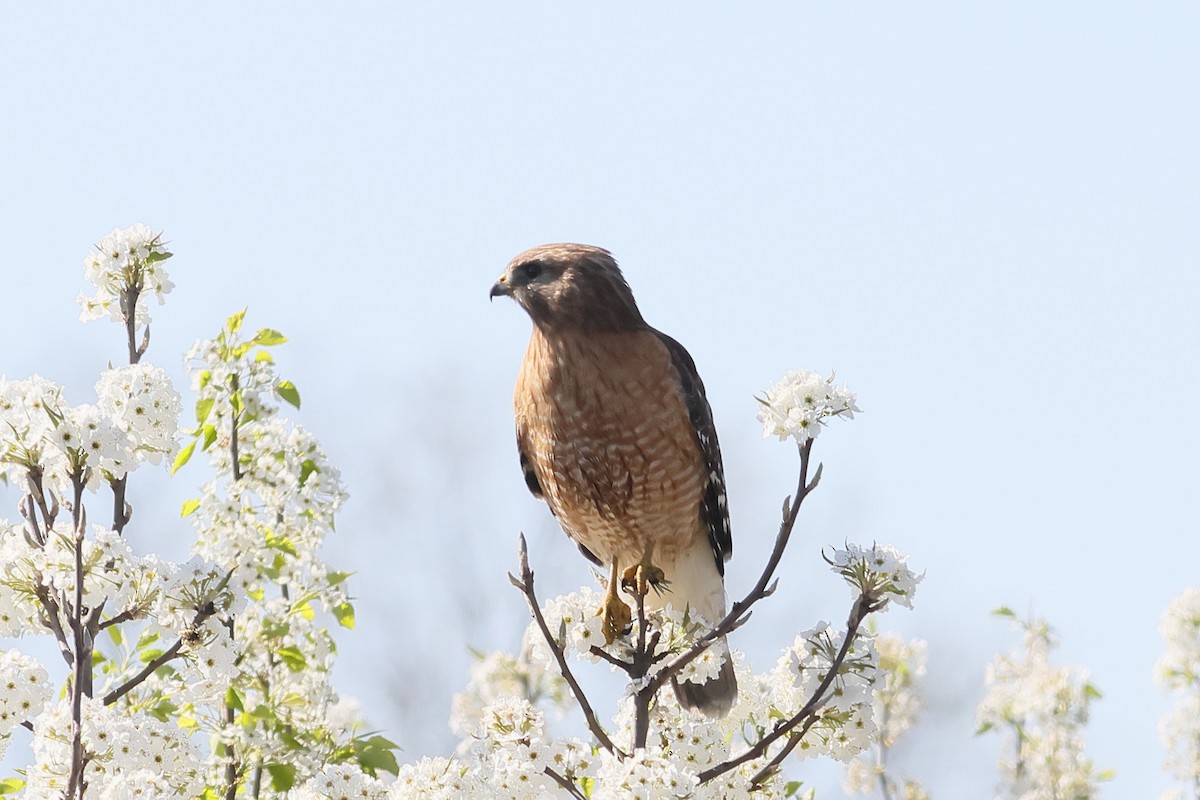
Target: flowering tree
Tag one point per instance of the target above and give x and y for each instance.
(1178, 672)
(1040, 710)
(205, 679)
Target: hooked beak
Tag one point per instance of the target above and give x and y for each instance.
(499, 288)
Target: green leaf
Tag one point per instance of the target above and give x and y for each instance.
(114, 633)
(11, 785)
(376, 753)
(1106, 775)
(345, 614)
(281, 543)
(1004, 611)
(292, 658)
(335, 578)
(307, 468)
(235, 321)
(791, 788)
(984, 728)
(588, 785)
(288, 392)
(189, 507)
(1091, 691)
(146, 656)
(283, 776)
(233, 699)
(182, 458)
(269, 337)
(210, 436)
(203, 408)
(235, 400)
(263, 355)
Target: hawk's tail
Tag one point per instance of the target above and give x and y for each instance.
(717, 696)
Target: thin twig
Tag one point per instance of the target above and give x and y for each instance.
(148, 670)
(739, 612)
(525, 584)
(571, 788)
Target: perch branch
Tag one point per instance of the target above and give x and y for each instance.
(525, 584)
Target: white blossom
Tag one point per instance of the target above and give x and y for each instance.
(881, 572)
(341, 782)
(800, 403)
(142, 402)
(124, 260)
(24, 689)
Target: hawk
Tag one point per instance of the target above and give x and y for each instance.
(615, 434)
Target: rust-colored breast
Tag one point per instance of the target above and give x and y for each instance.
(602, 419)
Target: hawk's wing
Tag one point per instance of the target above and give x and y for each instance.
(714, 506)
(535, 487)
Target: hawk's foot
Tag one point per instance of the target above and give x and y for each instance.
(645, 576)
(617, 617)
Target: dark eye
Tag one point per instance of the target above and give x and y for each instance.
(530, 270)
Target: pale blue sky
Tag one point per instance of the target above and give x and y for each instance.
(983, 216)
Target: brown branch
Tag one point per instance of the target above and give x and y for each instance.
(122, 512)
(525, 584)
(50, 620)
(148, 670)
(571, 788)
(806, 715)
(202, 615)
(82, 650)
(129, 309)
(739, 612)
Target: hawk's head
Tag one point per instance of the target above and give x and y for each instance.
(570, 286)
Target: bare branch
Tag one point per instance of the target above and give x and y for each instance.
(122, 511)
(525, 584)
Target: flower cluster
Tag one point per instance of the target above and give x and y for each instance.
(800, 403)
(24, 690)
(128, 754)
(1178, 671)
(124, 267)
(879, 573)
(26, 425)
(134, 420)
(498, 675)
(141, 403)
(1042, 710)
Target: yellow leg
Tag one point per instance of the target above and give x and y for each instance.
(617, 616)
